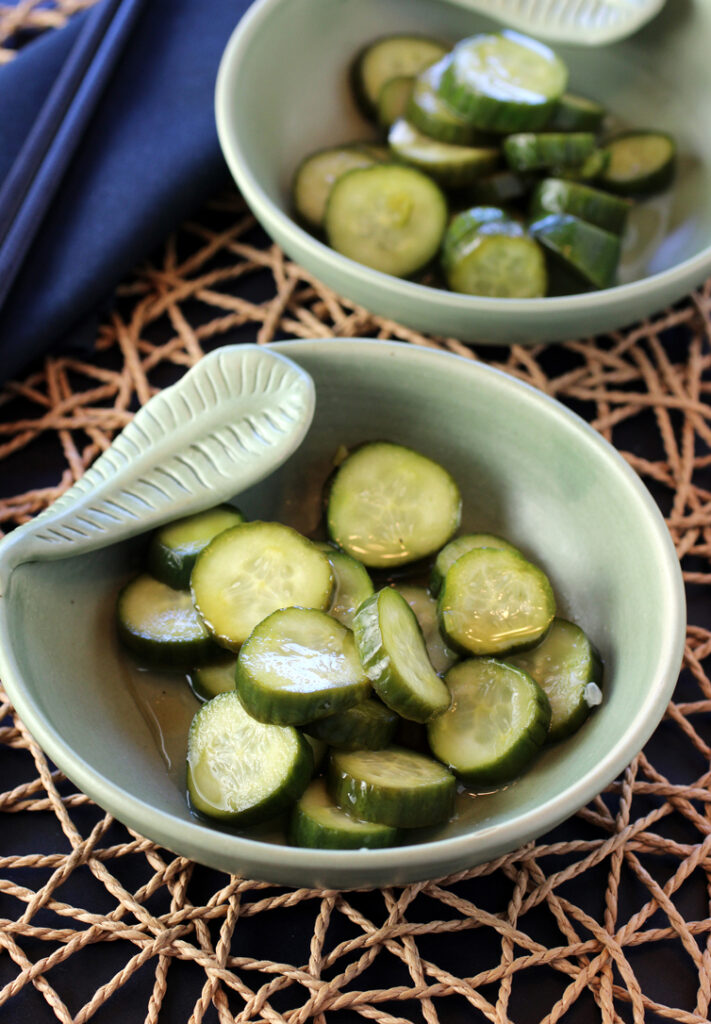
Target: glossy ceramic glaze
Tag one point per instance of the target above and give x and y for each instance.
(267, 122)
(529, 470)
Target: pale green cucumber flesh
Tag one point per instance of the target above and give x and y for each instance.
(393, 99)
(209, 680)
(242, 771)
(394, 786)
(466, 223)
(393, 653)
(375, 507)
(568, 669)
(252, 570)
(450, 165)
(299, 665)
(458, 547)
(496, 724)
(175, 546)
(161, 626)
(498, 261)
(553, 195)
(424, 606)
(641, 163)
(369, 725)
(390, 57)
(493, 601)
(316, 175)
(352, 586)
(590, 251)
(318, 822)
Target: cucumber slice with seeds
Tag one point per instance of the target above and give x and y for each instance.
(503, 83)
(576, 114)
(299, 665)
(366, 726)
(242, 771)
(498, 260)
(450, 165)
(316, 175)
(641, 163)
(594, 254)
(393, 99)
(375, 507)
(390, 57)
(493, 601)
(209, 680)
(391, 218)
(393, 653)
(252, 570)
(458, 547)
(352, 587)
(429, 113)
(161, 626)
(395, 786)
(530, 151)
(568, 669)
(424, 606)
(497, 722)
(318, 822)
(175, 546)
(553, 195)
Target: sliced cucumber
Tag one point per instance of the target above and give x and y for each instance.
(393, 99)
(175, 546)
(390, 57)
(428, 112)
(594, 254)
(316, 175)
(376, 511)
(299, 665)
(424, 606)
(250, 571)
(242, 771)
(495, 726)
(366, 726)
(162, 626)
(352, 587)
(395, 786)
(318, 822)
(467, 222)
(553, 195)
(389, 217)
(450, 165)
(498, 260)
(319, 749)
(392, 650)
(576, 114)
(641, 163)
(209, 680)
(500, 188)
(493, 601)
(503, 83)
(590, 169)
(458, 547)
(568, 668)
(531, 151)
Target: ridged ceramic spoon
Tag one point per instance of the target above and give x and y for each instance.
(227, 424)
(585, 22)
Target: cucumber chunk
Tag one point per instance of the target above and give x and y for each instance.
(209, 680)
(458, 547)
(568, 669)
(424, 606)
(466, 223)
(390, 57)
(393, 99)
(389, 217)
(316, 175)
(589, 170)
(161, 626)
(242, 771)
(250, 571)
(376, 511)
(504, 82)
(594, 254)
(450, 165)
(395, 786)
(553, 195)
(498, 260)
(175, 546)
(299, 665)
(497, 722)
(318, 822)
(428, 112)
(641, 163)
(576, 114)
(352, 587)
(530, 151)
(366, 726)
(392, 650)
(493, 601)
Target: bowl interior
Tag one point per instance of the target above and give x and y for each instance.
(528, 470)
(659, 78)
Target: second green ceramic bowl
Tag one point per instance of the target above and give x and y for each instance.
(282, 92)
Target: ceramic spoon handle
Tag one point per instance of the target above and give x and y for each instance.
(228, 423)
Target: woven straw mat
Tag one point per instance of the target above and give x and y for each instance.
(566, 923)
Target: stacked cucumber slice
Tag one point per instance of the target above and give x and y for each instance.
(487, 123)
(396, 694)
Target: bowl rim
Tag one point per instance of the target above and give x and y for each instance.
(682, 276)
(274, 862)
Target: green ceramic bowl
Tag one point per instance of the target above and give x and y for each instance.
(529, 470)
(282, 92)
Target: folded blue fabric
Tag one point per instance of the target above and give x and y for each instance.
(148, 159)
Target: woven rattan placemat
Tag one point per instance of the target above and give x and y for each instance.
(106, 922)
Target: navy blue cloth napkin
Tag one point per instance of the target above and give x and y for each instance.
(148, 159)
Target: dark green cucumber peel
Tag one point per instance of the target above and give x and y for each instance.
(531, 151)
(641, 163)
(576, 114)
(428, 112)
(318, 822)
(369, 725)
(553, 195)
(590, 251)
(452, 166)
(175, 546)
